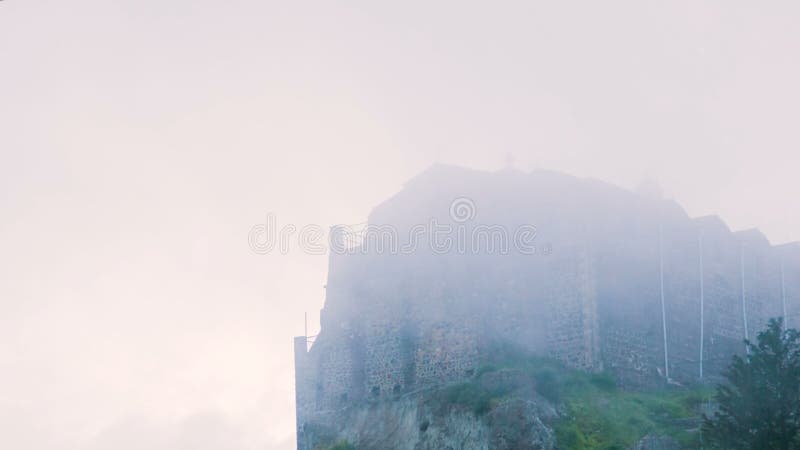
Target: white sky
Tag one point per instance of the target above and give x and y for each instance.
(141, 140)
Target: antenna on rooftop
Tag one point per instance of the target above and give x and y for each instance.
(305, 324)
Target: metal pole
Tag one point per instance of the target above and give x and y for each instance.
(663, 307)
(744, 297)
(702, 301)
(783, 295)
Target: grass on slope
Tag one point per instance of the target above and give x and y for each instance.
(598, 415)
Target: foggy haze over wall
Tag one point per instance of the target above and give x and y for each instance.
(140, 141)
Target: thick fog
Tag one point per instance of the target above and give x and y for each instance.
(141, 141)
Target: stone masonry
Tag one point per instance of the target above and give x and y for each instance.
(631, 285)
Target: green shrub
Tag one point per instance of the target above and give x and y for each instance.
(569, 436)
(342, 445)
(469, 395)
(598, 414)
(548, 385)
(604, 381)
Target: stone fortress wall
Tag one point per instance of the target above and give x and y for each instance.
(651, 298)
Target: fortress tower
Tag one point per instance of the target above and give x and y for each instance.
(618, 281)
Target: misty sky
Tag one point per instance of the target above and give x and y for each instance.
(141, 140)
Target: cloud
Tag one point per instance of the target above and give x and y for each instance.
(141, 141)
(200, 431)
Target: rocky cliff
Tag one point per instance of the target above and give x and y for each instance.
(527, 404)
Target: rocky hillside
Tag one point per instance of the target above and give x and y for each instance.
(519, 402)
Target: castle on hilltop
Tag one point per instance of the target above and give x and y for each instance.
(617, 281)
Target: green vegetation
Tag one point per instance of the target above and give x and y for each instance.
(597, 415)
(469, 395)
(342, 445)
(548, 384)
(759, 406)
(603, 419)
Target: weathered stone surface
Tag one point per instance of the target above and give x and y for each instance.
(516, 424)
(414, 423)
(591, 297)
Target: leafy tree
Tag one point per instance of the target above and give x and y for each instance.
(759, 406)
